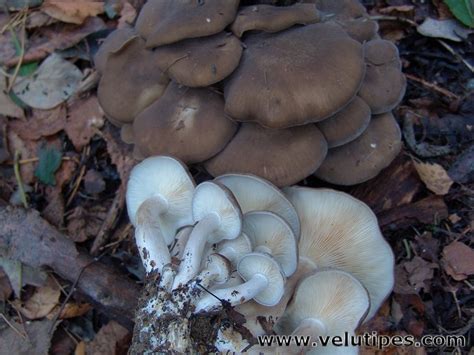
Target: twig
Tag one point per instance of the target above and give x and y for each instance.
(433, 87)
(22, 51)
(11, 326)
(16, 169)
(456, 54)
(407, 248)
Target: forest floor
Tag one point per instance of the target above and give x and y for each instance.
(72, 167)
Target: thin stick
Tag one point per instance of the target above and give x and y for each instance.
(16, 169)
(433, 87)
(22, 52)
(11, 326)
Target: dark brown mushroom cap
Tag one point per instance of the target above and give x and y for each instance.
(273, 18)
(351, 15)
(384, 84)
(347, 124)
(130, 82)
(283, 156)
(200, 61)
(301, 75)
(167, 21)
(363, 158)
(186, 123)
(112, 44)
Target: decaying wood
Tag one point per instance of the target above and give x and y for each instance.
(395, 186)
(428, 211)
(26, 237)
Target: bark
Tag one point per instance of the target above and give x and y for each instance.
(28, 238)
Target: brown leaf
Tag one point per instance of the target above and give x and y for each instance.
(7, 106)
(83, 224)
(72, 310)
(435, 177)
(48, 39)
(43, 123)
(458, 260)
(84, 118)
(111, 339)
(5, 287)
(72, 11)
(419, 271)
(127, 16)
(41, 303)
(94, 182)
(120, 153)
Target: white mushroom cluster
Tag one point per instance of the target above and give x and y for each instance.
(240, 241)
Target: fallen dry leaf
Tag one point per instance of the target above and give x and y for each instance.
(41, 303)
(72, 11)
(46, 40)
(51, 84)
(5, 287)
(7, 106)
(434, 176)
(94, 182)
(83, 224)
(111, 339)
(419, 271)
(84, 118)
(127, 16)
(72, 310)
(458, 260)
(447, 29)
(43, 123)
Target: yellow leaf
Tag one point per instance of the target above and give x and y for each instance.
(435, 177)
(72, 11)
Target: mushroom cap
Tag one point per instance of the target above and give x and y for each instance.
(130, 82)
(340, 231)
(213, 198)
(270, 18)
(384, 84)
(239, 246)
(167, 21)
(220, 265)
(112, 44)
(165, 178)
(351, 15)
(201, 61)
(302, 75)
(266, 229)
(126, 133)
(347, 124)
(263, 264)
(333, 297)
(256, 194)
(283, 156)
(187, 123)
(363, 158)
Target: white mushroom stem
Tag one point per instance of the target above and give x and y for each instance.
(149, 237)
(312, 327)
(235, 295)
(195, 247)
(167, 277)
(263, 249)
(207, 277)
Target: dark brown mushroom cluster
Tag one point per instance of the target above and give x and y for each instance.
(281, 92)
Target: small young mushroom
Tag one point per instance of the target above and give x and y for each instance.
(264, 283)
(282, 156)
(342, 232)
(384, 84)
(159, 196)
(363, 158)
(273, 18)
(112, 44)
(347, 124)
(130, 82)
(270, 234)
(325, 303)
(256, 194)
(187, 123)
(167, 21)
(298, 76)
(217, 269)
(218, 217)
(200, 62)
